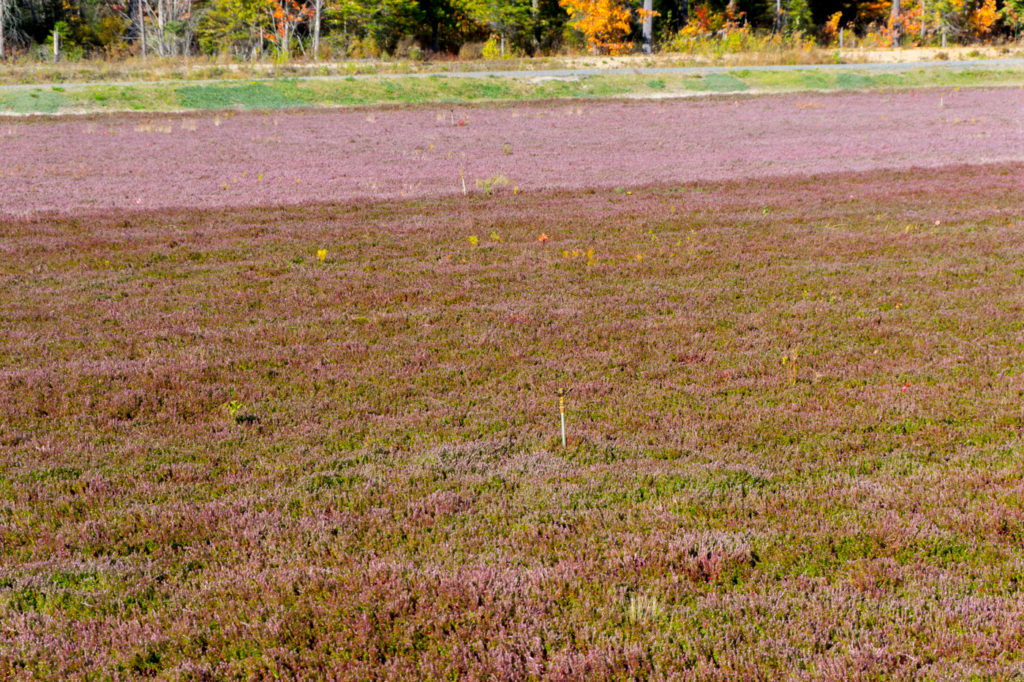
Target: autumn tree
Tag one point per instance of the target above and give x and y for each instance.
(287, 16)
(504, 18)
(449, 23)
(967, 19)
(235, 26)
(604, 23)
(172, 25)
(983, 20)
(383, 22)
(1012, 15)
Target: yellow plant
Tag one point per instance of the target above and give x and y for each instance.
(492, 50)
(234, 407)
(789, 364)
(321, 255)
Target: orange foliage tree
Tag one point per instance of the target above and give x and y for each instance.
(968, 19)
(605, 23)
(287, 14)
(984, 18)
(830, 29)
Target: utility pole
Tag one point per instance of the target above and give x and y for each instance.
(894, 21)
(648, 46)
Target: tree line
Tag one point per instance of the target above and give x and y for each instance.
(413, 29)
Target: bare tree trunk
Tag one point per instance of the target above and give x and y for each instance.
(648, 46)
(534, 13)
(922, 19)
(894, 19)
(161, 46)
(142, 27)
(3, 24)
(317, 7)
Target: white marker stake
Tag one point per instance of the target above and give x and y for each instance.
(561, 409)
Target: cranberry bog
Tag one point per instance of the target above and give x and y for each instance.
(278, 396)
(98, 163)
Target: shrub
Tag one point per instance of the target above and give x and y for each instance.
(364, 48)
(491, 50)
(471, 50)
(408, 48)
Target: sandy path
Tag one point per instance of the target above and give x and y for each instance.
(214, 160)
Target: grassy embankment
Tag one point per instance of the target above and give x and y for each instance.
(164, 96)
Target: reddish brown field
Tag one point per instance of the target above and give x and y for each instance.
(267, 159)
(794, 422)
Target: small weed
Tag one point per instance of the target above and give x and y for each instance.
(238, 413)
(489, 184)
